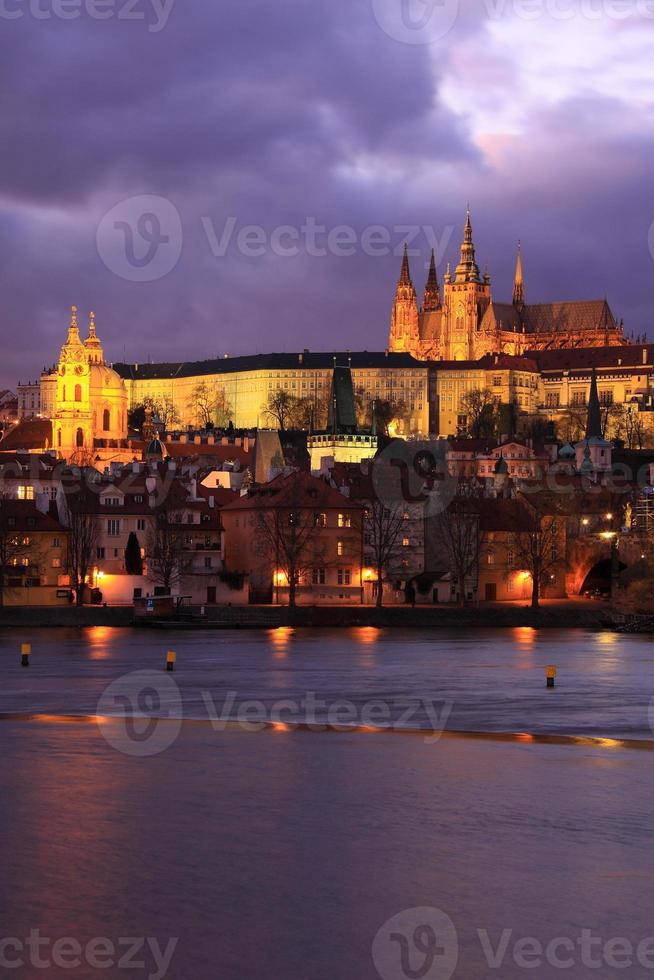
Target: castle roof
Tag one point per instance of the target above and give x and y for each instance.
(316, 360)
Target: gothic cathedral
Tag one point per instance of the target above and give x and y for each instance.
(465, 322)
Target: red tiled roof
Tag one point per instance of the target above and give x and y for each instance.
(28, 434)
(27, 516)
(297, 489)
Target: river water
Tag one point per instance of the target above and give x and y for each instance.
(349, 852)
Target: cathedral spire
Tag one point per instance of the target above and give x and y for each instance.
(518, 282)
(467, 270)
(432, 297)
(405, 273)
(594, 419)
(404, 333)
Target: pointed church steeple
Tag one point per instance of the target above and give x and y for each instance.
(404, 333)
(92, 343)
(467, 270)
(405, 272)
(518, 282)
(432, 298)
(594, 419)
(73, 339)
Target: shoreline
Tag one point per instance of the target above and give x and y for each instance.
(558, 616)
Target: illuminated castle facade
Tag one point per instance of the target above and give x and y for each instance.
(464, 322)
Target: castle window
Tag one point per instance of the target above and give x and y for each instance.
(78, 393)
(606, 396)
(106, 420)
(79, 438)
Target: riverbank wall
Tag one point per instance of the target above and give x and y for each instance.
(559, 616)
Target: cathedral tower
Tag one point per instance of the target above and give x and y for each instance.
(465, 299)
(405, 335)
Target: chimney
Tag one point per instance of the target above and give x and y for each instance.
(210, 440)
(212, 501)
(183, 438)
(224, 441)
(197, 440)
(300, 358)
(237, 441)
(246, 443)
(644, 355)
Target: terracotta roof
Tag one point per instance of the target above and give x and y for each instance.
(28, 434)
(25, 516)
(295, 489)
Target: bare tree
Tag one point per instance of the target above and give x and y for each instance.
(165, 411)
(635, 428)
(289, 537)
(481, 408)
(83, 530)
(15, 546)
(387, 411)
(209, 405)
(458, 536)
(573, 424)
(383, 523)
(537, 543)
(281, 408)
(165, 546)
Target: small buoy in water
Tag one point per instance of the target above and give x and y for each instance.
(550, 673)
(25, 650)
(171, 658)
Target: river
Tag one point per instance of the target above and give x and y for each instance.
(355, 851)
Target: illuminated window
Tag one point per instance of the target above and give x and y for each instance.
(344, 520)
(26, 493)
(340, 548)
(78, 393)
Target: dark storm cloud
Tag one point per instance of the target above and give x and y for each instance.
(269, 114)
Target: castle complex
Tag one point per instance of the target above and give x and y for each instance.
(465, 322)
(537, 359)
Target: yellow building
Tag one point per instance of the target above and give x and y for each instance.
(247, 383)
(511, 381)
(89, 421)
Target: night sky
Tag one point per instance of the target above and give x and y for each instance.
(221, 114)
